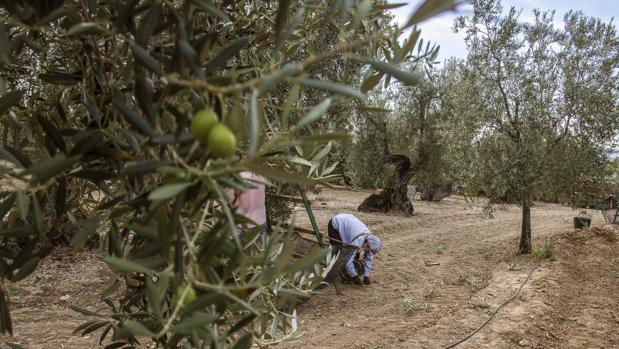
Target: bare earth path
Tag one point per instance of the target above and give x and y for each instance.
(572, 302)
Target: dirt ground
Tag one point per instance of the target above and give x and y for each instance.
(572, 302)
(441, 274)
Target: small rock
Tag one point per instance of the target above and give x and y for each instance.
(524, 343)
(402, 339)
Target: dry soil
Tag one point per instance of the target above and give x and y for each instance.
(441, 274)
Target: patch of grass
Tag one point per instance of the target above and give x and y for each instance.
(480, 297)
(440, 249)
(463, 281)
(514, 267)
(488, 211)
(545, 251)
(411, 304)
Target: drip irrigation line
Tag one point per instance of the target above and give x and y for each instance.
(467, 337)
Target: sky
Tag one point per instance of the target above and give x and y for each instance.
(439, 30)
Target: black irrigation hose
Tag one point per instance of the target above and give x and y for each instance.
(494, 313)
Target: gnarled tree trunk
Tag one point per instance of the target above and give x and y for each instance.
(393, 197)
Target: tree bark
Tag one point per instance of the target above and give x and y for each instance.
(525, 233)
(394, 196)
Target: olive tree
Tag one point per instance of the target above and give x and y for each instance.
(535, 87)
(99, 136)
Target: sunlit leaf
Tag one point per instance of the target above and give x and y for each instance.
(363, 10)
(137, 328)
(156, 291)
(371, 81)
(209, 7)
(23, 205)
(315, 113)
(280, 21)
(50, 167)
(26, 269)
(226, 53)
(148, 24)
(7, 204)
(56, 14)
(4, 47)
(85, 28)
(196, 321)
(146, 60)
(430, 8)
(133, 118)
(120, 265)
(389, 6)
(52, 132)
(167, 191)
(407, 78)
(279, 174)
(332, 87)
(244, 342)
(271, 80)
(37, 216)
(85, 230)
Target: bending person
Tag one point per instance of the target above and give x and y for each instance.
(348, 229)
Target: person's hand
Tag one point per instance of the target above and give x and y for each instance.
(366, 280)
(359, 280)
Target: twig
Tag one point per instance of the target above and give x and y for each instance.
(252, 83)
(276, 341)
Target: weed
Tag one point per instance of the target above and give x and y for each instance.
(488, 211)
(480, 297)
(514, 267)
(441, 249)
(545, 251)
(411, 304)
(463, 281)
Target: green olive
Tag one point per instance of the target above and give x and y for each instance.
(221, 141)
(203, 122)
(189, 297)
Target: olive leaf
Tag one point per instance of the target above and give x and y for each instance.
(10, 99)
(120, 265)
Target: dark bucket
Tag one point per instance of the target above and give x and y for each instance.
(580, 222)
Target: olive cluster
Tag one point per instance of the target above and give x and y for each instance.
(208, 130)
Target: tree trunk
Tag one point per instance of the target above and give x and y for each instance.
(394, 196)
(525, 233)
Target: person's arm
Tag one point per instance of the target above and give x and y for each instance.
(367, 264)
(350, 266)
